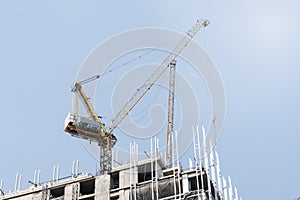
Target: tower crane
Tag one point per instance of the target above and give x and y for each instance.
(91, 128)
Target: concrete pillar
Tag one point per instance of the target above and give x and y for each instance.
(185, 183)
(102, 187)
(72, 191)
(39, 196)
(124, 194)
(121, 195)
(124, 178)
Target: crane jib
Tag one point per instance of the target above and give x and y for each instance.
(140, 92)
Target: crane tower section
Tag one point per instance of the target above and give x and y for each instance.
(170, 129)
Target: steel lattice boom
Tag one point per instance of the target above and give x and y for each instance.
(141, 91)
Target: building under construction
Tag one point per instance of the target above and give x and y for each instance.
(147, 179)
(152, 178)
(123, 184)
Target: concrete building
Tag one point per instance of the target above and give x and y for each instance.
(146, 179)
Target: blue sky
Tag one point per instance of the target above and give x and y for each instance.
(255, 45)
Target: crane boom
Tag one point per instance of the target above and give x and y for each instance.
(144, 88)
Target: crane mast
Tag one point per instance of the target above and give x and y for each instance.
(170, 129)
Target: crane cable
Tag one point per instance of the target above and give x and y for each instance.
(97, 76)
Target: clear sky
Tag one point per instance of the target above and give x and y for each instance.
(254, 43)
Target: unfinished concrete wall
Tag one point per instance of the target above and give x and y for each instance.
(124, 178)
(40, 196)
(102, 187)
(33, 196)
(124, 194)
(72, 191)
(126, 175)
(185, 183)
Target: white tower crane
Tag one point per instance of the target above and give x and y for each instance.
(91, 128)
